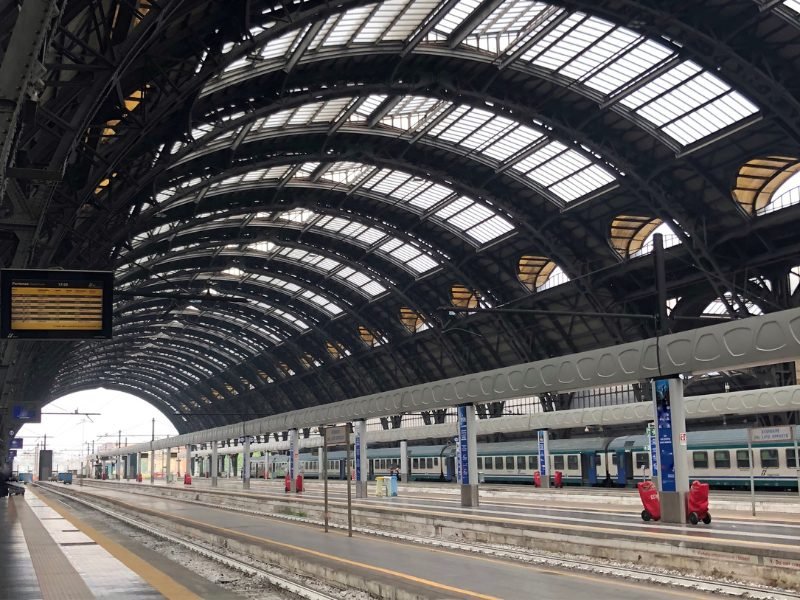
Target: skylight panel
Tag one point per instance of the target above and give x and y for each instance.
(580, 44)
(582, 183)
(557, 277)
(490, 229)
(347, 26)
(551, 40)
(415, 13)
(377, 24)
(373, 288)
(370, 103)
(511, 17)
(512, 143)
(466, 125)
(792, 4)
(386, 181)
(451, 208)
(279, 47)
(431, 196)
(456, 15)
(712, 117)
(471, 216)
(491, 130)
(540, 156)
(612, 42)
(345, 172)
(631, 65)
(449, 120)
(327, 264)
(559, 167)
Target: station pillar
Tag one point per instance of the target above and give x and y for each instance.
(167, 476)
(294, 460)
(544, 457)
(119, 468)
(127, 467)
(361, 464)
(189, 468)
(246, 463)
(467, 454)
(214, 464)
(673, 468)
(404, 460)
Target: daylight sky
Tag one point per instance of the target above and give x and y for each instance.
(67, 435)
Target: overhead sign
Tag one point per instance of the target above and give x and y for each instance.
(336, 436)
(55, 304)
(16, 443)
(771, 434)
(26, 412)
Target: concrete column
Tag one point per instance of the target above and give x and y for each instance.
(246, 463)
(361, 464)
(544, 456)
(467, 454)
(127, 467)
(168, 476)
(404, 460)
(119, 468)
(139, 470)
(673, 468)
(294, 459)
(189, 466)
(214, 464)
(151, 462)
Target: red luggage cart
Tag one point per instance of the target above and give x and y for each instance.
(652, 505)
(698, 503)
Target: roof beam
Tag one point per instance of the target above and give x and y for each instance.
(475, 18)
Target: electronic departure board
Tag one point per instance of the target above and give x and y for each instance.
(40, 304)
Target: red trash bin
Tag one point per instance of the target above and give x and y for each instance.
(139, 478)
(652, 504)
(697, 503)
(287, 483)
(187, 479)
(558, 479)
(537, 479)
(298, 483)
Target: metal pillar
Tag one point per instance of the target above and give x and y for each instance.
(246, 463)
(544, 457)
(467, 455)
(361, 464)
(294, 460)
(673, 468)
(214, 464)
(404, 460)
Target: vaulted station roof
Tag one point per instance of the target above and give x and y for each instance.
(351, 169)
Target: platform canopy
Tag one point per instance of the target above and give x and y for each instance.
(291, 194)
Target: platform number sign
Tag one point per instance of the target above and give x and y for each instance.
(651, 436)
(542, 453)
(463, 445)
(666, 452)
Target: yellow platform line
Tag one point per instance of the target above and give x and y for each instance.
(160, 581)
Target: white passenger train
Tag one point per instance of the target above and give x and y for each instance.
(718, 457)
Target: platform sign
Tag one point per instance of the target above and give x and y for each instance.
(771, 434)
(463, 445)
(55, 304)
(358, 453)
(16, 443)
(666, 453)
(336, 436)
(26, 412)
(542, 453)
(651, 436)
(12, 454)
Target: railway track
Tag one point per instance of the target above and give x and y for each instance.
(293, 587)
(541, 559)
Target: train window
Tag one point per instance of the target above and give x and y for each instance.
(520, 463)
(558, 463)
(572, 462)
(614, 459)
(742, 459)
(791, 461)
(598, 460)
(480, 463)
(769, 458)
(509, 463)
(722, 459)
(383, 463)
(436, 461)
(498, 463)
(429, 462)
(533, 462)
(415, 463)
(487, 463)
(700, 460)
(642, 460)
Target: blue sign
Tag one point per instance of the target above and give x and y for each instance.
(358, 457)
(651, 432)
(542, 454)
(666, 451)
(16, 443)
(292, 444)
(29, 413)
(12, 454)
(463, 445)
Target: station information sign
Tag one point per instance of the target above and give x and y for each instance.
(55, 304)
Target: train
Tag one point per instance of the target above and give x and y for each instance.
(718, 457)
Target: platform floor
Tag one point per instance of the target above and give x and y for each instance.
(50, 554)
(437, 573)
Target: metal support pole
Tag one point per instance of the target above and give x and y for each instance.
(214, 464)
(349, 487)
(119, 457)
(152, 457)
(661, 284)
(246, 463)
(324, 470)
(752, 474)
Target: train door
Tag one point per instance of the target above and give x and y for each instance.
(343, 469)
(450, 468)
(589, 468)
(622, 467)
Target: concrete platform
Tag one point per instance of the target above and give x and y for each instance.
(395, 569)
(47, 553)
(735, 545)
